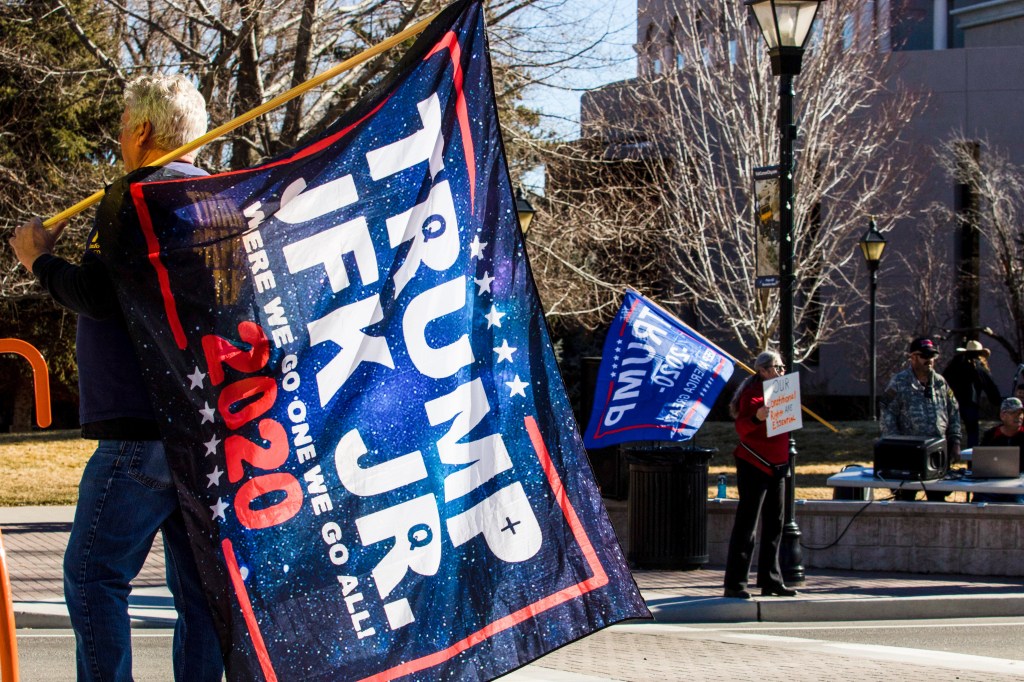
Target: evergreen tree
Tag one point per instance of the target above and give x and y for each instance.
(58, 115)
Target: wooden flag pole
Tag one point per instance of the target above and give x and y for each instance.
(300, 89)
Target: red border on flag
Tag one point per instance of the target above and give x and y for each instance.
(449, 41)
(597, 580)
(238, 582)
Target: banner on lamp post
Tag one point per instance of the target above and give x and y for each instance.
(766, 232)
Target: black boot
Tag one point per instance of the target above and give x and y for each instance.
(779, 590)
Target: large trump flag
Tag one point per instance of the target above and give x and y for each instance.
(373, 447)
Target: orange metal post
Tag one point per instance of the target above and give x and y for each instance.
(40, 376)
(8, 641)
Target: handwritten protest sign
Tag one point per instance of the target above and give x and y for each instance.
(782, 396)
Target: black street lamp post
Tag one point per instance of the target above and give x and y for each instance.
(872, 244)
(785, 25)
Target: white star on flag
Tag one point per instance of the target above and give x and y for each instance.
(211, 446)
(517, 387)
(207, 413)
(484, 283)
(494, 317)
(196, 378)
(476, 248)
(504, 351)
(218, 509)
(214, 477)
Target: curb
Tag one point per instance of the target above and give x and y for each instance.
(703, 610)
(679, 609)
(56, 617)
(148, 607)
(775, 610)
(893, 608)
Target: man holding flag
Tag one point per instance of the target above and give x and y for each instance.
(127, 493)
(373, 449)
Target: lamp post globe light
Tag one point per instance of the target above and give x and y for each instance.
(872, 244)
(785, 26)
(524, 211)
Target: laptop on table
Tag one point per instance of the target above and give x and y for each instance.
(995, 461)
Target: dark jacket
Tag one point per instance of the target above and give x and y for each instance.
(113, 401)
(970, 381)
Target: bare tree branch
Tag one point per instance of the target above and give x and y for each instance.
(101, 57)
(661, 186)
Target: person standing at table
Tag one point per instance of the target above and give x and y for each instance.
(761, 464)
(968, 375)
(1009, 433)
(919, 402)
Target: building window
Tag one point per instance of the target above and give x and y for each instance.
(817, 29)
(657, 67)
(848, 32)
(912, 26)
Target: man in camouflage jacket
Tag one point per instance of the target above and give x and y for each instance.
(919, 402)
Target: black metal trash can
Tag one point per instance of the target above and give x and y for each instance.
(668, 512)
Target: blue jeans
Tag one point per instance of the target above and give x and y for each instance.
(125, 497)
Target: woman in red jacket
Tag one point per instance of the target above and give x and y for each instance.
(761, 463)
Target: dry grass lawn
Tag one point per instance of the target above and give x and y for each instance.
(43, 468)
(820, 453)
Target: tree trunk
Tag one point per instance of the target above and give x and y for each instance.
(24, 400)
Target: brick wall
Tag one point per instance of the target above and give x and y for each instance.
(914, 537)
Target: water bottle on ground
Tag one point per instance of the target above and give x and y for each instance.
(721, 487)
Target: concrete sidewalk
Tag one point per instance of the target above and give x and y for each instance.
(35, 538)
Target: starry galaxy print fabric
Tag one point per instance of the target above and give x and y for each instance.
(658, 379)
(373, 447)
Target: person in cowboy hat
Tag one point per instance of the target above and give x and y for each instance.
(969, 377)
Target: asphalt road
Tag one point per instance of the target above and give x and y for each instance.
(49, 655)
(985, 649)
(995, 637)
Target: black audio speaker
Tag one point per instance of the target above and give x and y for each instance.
(911, 458)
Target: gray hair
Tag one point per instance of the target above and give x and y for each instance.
(766, 359)
(172, 105)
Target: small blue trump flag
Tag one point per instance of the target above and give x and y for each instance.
(373, 448)
(658, 378)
